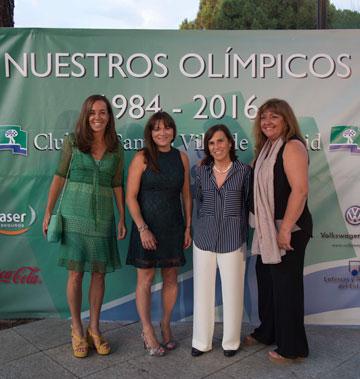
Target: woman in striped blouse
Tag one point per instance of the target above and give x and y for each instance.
(220, 233)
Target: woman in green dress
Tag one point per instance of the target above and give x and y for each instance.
(158, 178)
(92, 161)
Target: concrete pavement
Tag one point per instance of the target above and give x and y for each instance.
(42, 349)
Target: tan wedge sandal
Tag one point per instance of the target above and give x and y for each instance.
(79, 345)
(98, 343)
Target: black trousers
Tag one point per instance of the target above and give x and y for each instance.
(281, 301)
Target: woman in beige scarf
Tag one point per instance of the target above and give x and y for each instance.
(283, 227)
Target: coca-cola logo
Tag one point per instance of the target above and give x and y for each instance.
(23, 275)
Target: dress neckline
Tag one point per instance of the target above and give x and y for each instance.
(102, 157)
(165, 152)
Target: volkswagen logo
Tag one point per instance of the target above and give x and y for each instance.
(352, 215)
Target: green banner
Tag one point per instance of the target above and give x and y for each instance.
(200, 78)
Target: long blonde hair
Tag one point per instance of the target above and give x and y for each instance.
(282, 108)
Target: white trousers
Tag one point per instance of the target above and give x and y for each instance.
(232, 271)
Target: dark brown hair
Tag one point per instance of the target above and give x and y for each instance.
(150, 148)
(282, 108)
(83, 132)
(209, 134)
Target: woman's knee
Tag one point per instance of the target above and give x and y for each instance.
(97, 276)
(75, 277)
(169, 276)
(145, 277)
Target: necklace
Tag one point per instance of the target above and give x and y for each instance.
(223, 171)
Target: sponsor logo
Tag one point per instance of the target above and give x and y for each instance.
(352, 215)
(349, 279)
(342, 240)
(345, 137)
(354, 267)
(23, 275)
(13, 138)
(335, 236)
(12, 224)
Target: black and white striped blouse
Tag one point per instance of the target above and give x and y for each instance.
(222, 213)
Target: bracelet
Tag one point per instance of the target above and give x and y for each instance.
(188, 227)
(142, 228)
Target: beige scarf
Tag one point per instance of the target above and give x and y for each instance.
(264, 240)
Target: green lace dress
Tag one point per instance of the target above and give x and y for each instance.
(159, 200)
(89, 233)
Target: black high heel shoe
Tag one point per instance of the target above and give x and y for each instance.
(195, 352)
(230, 353)
(171, 344)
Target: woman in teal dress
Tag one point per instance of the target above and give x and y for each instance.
(92, 161)
(158, 178)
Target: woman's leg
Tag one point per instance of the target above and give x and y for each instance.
(74, 298)
(204, 298)
(265, 333)
(232, 272)
(145, 277)
(288, 279)
(96, 296)
(169, 296)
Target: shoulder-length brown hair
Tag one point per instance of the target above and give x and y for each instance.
(282, 108)
(208, 159)
(150, 149)
(83, 132)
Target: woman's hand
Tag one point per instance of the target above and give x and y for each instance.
(148, 240)
(187, 200)
(187, 238)
(121, 230)
(283, 240)
(45, 224)
(56, 186)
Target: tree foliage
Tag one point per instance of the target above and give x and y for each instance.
(346, 19)
(206, 16)
(267, 14)
(7, 13)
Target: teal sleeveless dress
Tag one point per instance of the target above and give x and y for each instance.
(89, 232)
(159, 200)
